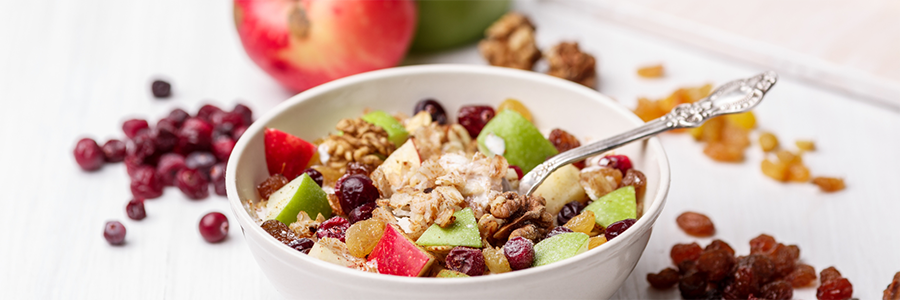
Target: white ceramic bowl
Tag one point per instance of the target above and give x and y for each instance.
(596, 274)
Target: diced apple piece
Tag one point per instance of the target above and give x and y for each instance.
(618, 205)
(559, 247)
(286, 154)
(329, 250)
(301, 194)
(395, 254)
(399, 164)
(463, 232)
(397, 134)
(447, 273)
(561, 187)
(524, 145)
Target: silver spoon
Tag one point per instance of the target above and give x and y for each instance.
(733, 97)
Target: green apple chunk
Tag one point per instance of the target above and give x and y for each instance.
(559, 247)
(397, 134)
(301, 194)
(447, 273)
(524, 145)
(463, 232)
(618, 205)
(561, 187)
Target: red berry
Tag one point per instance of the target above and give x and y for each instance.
(134, 126)
(114, 150)
(519, 252)
(141, 149)
(192, 184)
(217, 177)
(167, 124)
(302, 245)
(433, 108)
(245, 112)
(214, 227)
(474, 117)
(222, 148)
(200, 161)
(466, 260)
(617, 228)
(145, 184)
(169, 165)
(569, 211)
(207, 111)
(355, 167)
(621, 162)
(114, 232)
(557, 230)
(518, 170)
(178, 116)
(227, 119)
(355, 190)
(315, 175)
(362, 212)
(135, 209)
(161, 89)
(238, 132)
(88, 155)
(335, 228)
(195, 134)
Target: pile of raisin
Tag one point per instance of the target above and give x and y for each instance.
(770, 271)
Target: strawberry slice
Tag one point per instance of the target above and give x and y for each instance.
(286, 154)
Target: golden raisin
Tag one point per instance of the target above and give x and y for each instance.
(331, 175)
(829, 184)
(723, 152)
(655, 71)
(744, 120)
(777, 171)
(788, 157)
(798, 173)
(362, 236)
(515, 105)
(596, 241)
(805, 145)
(768, 141)
(648, 109)
(711, 131)
(735, 136)
(583, 222)
(495, 260)
(696, 224)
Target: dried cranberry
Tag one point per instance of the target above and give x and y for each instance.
(569, 211)
(302, 245)
(167, 124)
(519, 252)
(135, 209)
(217, 177)
(114, 150)
(114, 233)
(315, 175)
(145, 184)
(192, 183)
(200, 161)
(279, 231)
(178, 116)
(557, 230)
(134, 126)
(433, 108)
(214, 227)
(88, 155)
(355, 167)
(621, 162)
(474, 117)
(169, 165)
(238, 132)
(142, 149)
(617, 228)
(164, 138)
(195, 134)
(161, 89)
(335, 228)
(222, 148)
(224, 130)
(354, 190)
(518, 170)
(362, 212)
(270, 185)
(245, 112)
(207, 111)
(226, 120)
(466, 260)
(666, 278)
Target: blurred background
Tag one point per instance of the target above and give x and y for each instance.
(76, 69)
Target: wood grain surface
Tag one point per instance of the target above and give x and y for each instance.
(72, 69)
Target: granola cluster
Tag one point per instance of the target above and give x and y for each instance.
(358, 141)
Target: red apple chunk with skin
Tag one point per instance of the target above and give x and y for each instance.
(286, 154)
(396, 254)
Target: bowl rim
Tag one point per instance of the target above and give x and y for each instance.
(629, 237)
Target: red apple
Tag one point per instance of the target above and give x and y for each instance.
(309, 42)
(395, 254)
(286, 154)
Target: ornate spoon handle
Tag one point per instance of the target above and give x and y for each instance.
(733, 97)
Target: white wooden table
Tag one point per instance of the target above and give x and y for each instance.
(72, 69)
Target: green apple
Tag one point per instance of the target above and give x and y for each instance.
(301, 194)
(524, 144)
(447, 273)
(396, 254)
(397, 134)
(463, 232)
(561, 187)
(559, 247)
(618, 205)
(447, 24)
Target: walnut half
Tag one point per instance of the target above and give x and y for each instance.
(510, 43)
(568, 62)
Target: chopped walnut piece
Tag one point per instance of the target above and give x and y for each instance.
(599, 182)
(530, 211)
(568, 62)
(529, 231)
(506, 204)
(488, 225)
(360, 141)
(510, 43)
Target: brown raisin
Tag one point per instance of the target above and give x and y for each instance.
(777, 290)
(692, 286)
(682, 252)
(762, 244)
(836, 289)
(665, 279)
(784, 258)
(636, 179)
(279, 231)
(696, 224)
(687, 266)
(716, 264)
(719, 245)
(892, 292)
(829, 274)
(564, 141)
(270, 185)
(802, 276)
